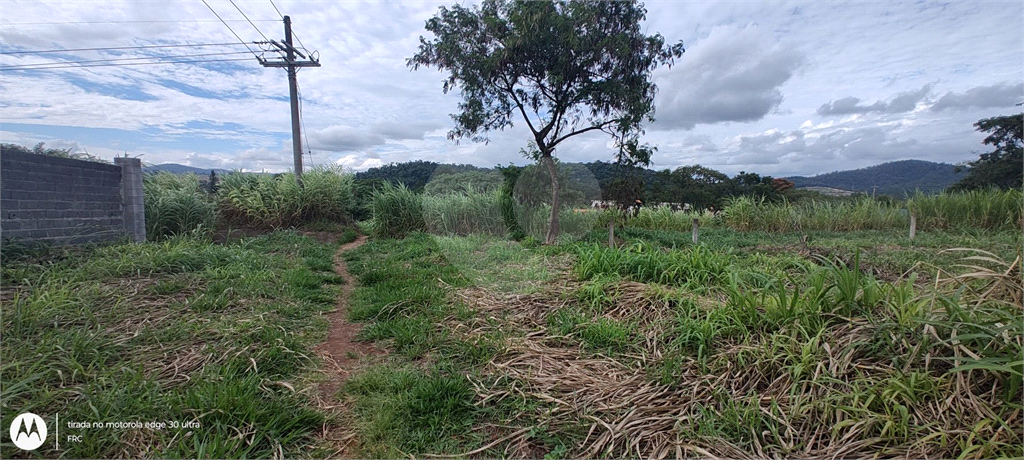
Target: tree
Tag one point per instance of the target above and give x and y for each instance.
(1003, 167)
(566, 67)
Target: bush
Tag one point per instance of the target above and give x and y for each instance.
(277, 201)
(176, 205)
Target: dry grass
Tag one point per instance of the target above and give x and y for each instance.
(845, 400)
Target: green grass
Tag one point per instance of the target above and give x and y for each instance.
(825, 325)
(276, 201)
(402, 410)
(177, 205)
(181, 330)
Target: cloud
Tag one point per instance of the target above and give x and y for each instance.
(903, 102)
(400, 130)
(998, 95)
(733, 75)
(356, 163)
(337, 138)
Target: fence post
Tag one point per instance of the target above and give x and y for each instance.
(695, 225)
(132, 201)
(611, 234)
(913, 226)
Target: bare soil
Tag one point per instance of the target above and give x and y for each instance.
(342, 355)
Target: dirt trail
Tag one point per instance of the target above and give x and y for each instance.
(342, 354)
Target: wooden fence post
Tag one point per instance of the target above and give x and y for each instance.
(611, 234)
(695, 225)
(913, 226)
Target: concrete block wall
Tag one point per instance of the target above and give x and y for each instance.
(61, 200)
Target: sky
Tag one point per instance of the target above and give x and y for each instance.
(782, 89)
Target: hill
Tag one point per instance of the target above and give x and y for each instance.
(175, 168)
(895, 178)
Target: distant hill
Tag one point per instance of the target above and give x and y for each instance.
(895, 178)
(175, 168)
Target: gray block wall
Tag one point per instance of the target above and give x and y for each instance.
(64, 201)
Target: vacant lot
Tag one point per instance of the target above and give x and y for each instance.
(216, 338)
(750, 344)
(747, 345)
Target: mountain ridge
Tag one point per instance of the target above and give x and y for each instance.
(896, 178)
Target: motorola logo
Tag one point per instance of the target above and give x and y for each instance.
(28, 431)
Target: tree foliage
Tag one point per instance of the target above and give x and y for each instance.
(564, 68)
(1004, 166)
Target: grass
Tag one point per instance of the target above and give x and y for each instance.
(421, 401)
(796, 341)
(215, 337)
(177, 205)
(988, 209)
(748, 344)
(276, 201)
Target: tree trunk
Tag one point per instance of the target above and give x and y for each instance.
(553, 226)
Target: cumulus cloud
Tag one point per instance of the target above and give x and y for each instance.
(337, 138)
(357, 163)
(998, 95)
(732, 75)
(903, 102)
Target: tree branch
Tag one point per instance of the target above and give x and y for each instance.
(511, 91)
(581, 131)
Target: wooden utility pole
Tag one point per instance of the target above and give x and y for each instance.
(291, 64)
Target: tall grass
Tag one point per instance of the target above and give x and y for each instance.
(664, 218)
(277, 201)
(572, 223)
(397, 212)
(746, 214)
(175, 205)
(989, 209)
(472, 212)
(992, 209)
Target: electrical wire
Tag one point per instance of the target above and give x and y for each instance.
(302, 121)
(127, 64)
(229, 28)
(293, 32)
(126, 22)
(275, 8)
(42, 64)
(121, 48)
(247, 19)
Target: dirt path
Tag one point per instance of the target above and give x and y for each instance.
(342, 354)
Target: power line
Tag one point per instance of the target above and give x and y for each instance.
(293, 33)
(127, 64)
(275, 8)
(302, 120)
(126, 22)
(229, 28)
(247, 19)
(46, 64)
(122, 48)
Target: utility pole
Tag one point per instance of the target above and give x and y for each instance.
(292, 65)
